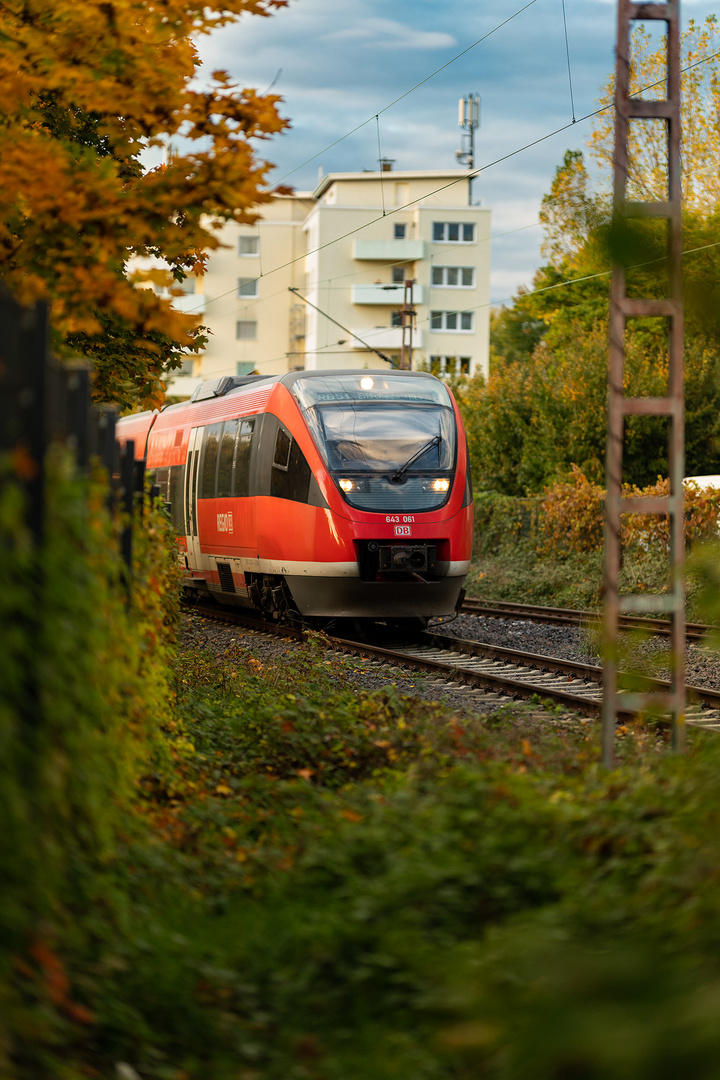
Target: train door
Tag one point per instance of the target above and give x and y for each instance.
(191, 498)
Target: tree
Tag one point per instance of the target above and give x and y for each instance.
(573, 285)
(88, 87)
(514, 331)
(647, 142)
(543, 408)
(567, 211)
(538, 416)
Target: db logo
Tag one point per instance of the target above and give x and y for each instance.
(224, 523)
(403, 530)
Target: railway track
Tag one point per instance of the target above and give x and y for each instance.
(502, 609)
(500, 674)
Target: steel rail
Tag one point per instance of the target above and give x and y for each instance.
(505, 609)
(529, 686)
(572, 668)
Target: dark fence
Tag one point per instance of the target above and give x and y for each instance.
(42, 402)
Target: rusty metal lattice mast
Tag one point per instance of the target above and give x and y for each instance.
(408, 318)
(623, 307)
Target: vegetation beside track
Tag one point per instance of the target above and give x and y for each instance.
(224, 870)
(548, 549)
(319, 884)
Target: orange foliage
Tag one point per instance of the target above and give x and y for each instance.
(87, 87)
(571, 516)
(55, 982)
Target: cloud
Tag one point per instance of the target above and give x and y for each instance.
(344, 61)
(389, 34)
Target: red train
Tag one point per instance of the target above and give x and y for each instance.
(327, 493)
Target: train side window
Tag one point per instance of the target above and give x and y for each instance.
(176, 483)
(225, 464)
(208, 475)
(160, 480)
(290, 477)
(283, 445)
(243, 447)
(188, 525)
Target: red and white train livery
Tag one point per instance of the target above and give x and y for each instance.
(329, 493)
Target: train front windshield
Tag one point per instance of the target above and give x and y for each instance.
(389, 442)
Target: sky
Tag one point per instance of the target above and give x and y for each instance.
(339, 63)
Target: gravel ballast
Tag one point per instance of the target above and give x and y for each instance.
(353, 672)
(574, 643)
(703, 666)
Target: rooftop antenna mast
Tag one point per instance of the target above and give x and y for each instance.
(469, 121)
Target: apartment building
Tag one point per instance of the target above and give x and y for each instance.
(347, 250)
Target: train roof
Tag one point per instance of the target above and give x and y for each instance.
(215, 388)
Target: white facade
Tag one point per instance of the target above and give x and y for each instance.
(347, 248)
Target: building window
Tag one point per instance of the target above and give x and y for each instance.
(188, 285)
(457, 277)
(396, 318)
(247, 286)
(400, 230)
(451, 320)
(246, 330)
(450, 365)
(186, 368)
(453, 232)
(398, 275)
(248, 245)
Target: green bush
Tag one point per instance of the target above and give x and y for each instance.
(548, 549)
(85, 690)
(250, 871)
(421, 920)
(501, 521)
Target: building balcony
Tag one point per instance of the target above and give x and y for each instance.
(389, 250)
(384, 337)
(182, 386)
(189, 303)
(384, 294)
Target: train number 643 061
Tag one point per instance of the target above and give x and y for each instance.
(315, 494)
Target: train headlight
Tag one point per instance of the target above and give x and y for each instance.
(346, 485)
(440, 485)
(366, 383)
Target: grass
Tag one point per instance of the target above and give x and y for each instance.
(317, 883)
(323, 884)
(515, 571)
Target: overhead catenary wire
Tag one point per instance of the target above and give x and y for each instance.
(381, 163)
(382, 355)
(459, 179)
(412, 202)
(494, 303)
(568, 282)
(253, 302)
(358, 127)
(567, 53)
(405, 94)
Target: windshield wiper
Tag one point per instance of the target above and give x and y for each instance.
(398, 475)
